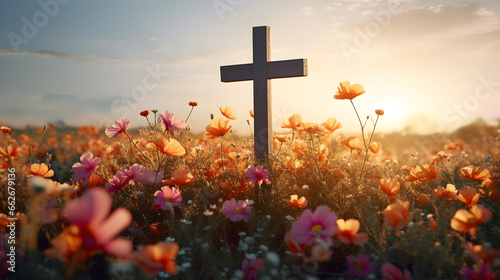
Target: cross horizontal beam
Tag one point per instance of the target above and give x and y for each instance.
(275, 70)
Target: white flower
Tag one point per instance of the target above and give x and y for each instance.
(190, 202)
(186, 265)
(242, 233)
(273, 258)
(249, 202)
(251, 257)
(290, 218)
(268, 217)
(208, 213)
(249, 240)
(206, 228)
(220, 200)
(170, 239)
(263, 247)
(242, 246)
(213, 206)
(260, 229)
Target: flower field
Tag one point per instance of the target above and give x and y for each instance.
(161, 202)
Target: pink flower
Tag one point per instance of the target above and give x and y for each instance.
(143, 175)
(171, 124)
(361, 266)
(257, 175)
(236, 211)
(167, 197)
(120, 180)
(251, 268)
(86, 168)
(96, 229)
(475, 272)
(118, 128)
(390, 272)
(322, 224)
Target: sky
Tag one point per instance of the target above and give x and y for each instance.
(430, 65)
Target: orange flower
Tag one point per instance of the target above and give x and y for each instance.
(379, 112)
(433, 225)
(228, 112)
(180, 178)
(337, 172)
(449, 193)
(425, 173)
(469, 221)
(66, 245)
(475, 173)
(422, 198)
(281, 138)
(170, 147)
(217, 128)
(390, 187)
(12, 150)
(251, 113)
(468, 196)
(375, 147)
(348, 232)
(94, 130)
(5, 129)
(158, 257)
(41, 169)
(144, 113)
(352, 142)
(294, 122)
(296, 202)
(348, 91)
(396, 215)
(480, 254)
(193, 104)
(311, 127)
(331, 125)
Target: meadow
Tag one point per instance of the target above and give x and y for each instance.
(161, 202)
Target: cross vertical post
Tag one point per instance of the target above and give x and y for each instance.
(262, 105)
(261, 71)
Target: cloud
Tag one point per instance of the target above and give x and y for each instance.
(61, 55)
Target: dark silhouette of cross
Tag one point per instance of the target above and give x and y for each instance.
(261, 71)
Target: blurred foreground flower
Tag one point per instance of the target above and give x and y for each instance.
(92, 230)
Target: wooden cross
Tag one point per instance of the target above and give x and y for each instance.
(261, 71)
